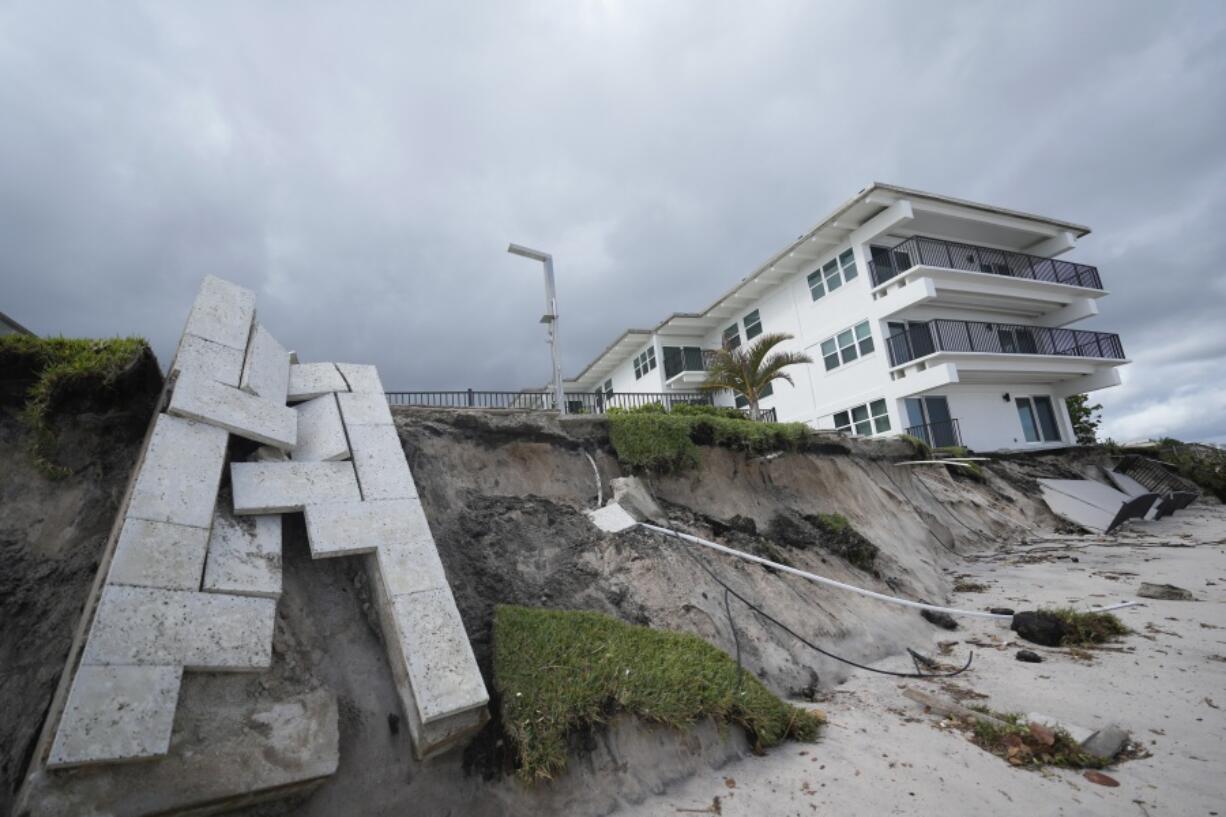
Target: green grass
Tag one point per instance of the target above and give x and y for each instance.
(1089, 628)
(655, 441)
(63, 366)
(921, 448)
(1021, 746)
(560, 671)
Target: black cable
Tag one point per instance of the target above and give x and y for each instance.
(736, 639)
(728, 589)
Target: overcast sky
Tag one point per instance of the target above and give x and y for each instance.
(362, 167)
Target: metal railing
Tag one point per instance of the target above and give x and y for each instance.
(576, 402)
(935, 252)
(921, 339)
(941, 434)
(678, 359)
(1154, 475)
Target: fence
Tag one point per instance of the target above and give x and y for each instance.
(934, 252)
(920, 339)
(576, 402)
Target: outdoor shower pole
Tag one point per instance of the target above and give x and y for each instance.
(550, 318)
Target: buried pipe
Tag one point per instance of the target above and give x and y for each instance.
(813, 577)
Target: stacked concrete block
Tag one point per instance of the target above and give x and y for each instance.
(310, 380)
(193, 582)
(321, 436)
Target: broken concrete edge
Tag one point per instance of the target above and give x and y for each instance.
(196, 397)
(433, 738)
(55, 710)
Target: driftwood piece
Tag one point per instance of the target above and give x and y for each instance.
(953, 710)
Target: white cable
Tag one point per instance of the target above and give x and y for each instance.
(813, 577)
(599, 487)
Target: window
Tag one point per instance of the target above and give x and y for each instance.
(833, 274)
(607, 388)
(1038, 418)
(645, 362)
(753, 325)
(847, 345)
(864, 420)
(732, 337)
(743, 402)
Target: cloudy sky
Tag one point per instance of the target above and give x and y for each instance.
(363, 166)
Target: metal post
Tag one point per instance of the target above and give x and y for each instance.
(550, 318)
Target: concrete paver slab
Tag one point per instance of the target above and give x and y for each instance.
(366, 409)
(286, 487)
(441, 667)
(222, 313)
(612, 518)
(204, 357)
(145, 626)
(321, 435)
(116, 713)
(248, 416)
(159, 554)
(244, 554)
(345, 528)
(308, 380)
(361, 377)
(180, 473)
(266, 368)
(382, 470)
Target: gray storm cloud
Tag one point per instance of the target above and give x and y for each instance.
(364, 166)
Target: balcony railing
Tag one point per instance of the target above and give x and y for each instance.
(576, 402)
(934, 252)
(921, 339)
(941, 434)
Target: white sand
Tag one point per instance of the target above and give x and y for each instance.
(882, 755)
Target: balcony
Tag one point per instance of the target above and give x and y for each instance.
(918, 251)
(923, 339)
(940, 434)
(685, 364)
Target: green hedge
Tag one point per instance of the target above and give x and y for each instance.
(651, 441)
(559, 671)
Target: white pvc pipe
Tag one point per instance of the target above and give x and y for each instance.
(813, 577)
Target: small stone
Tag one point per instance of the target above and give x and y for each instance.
(1001, 611)
(942, 620)
(1029, 656)
(1040, 627)
(1164, 592)
(1106, 742)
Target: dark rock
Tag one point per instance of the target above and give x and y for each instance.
(1029, 656)
(1106, 742)
(1001, 611)
(1165, 592)
(1040, 627)
(393, 723)
(943, 620)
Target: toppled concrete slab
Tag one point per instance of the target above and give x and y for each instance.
(117, 713)
(286, 487)
(205, 631)
(636, 499)
(266, 369)
(612, 518)
(442, 669)
(222, 313)
(179, 477)
(1164, 592)
(239, 755)
(204, 357)
(321, 435)
(344, 528)
(310, 380)
(368, 409)
(251, 417)
(244, 554)
(1093, 505)
(159, 554)
(362, 378)
(379, 460)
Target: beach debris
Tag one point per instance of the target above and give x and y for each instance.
(1106, 742)
(1165, 592)
(1040, 627)
(1029, 657)
(1101, 779)
(1001, 611)
(942, 620)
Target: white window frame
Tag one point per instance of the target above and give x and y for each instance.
(644, 362)
(865, 420)
(847, 345)
(1034, 416)
(833, 274)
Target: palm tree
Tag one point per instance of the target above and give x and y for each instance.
(747, 371)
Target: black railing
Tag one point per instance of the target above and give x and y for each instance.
(921, 339)
(934, 252)
(941, 434)
(576, 402)
(1154, 475)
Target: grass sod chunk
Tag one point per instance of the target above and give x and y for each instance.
(1024, 745)
(62, 367)
(655, 441)
(558, 671)
(1089, 628)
